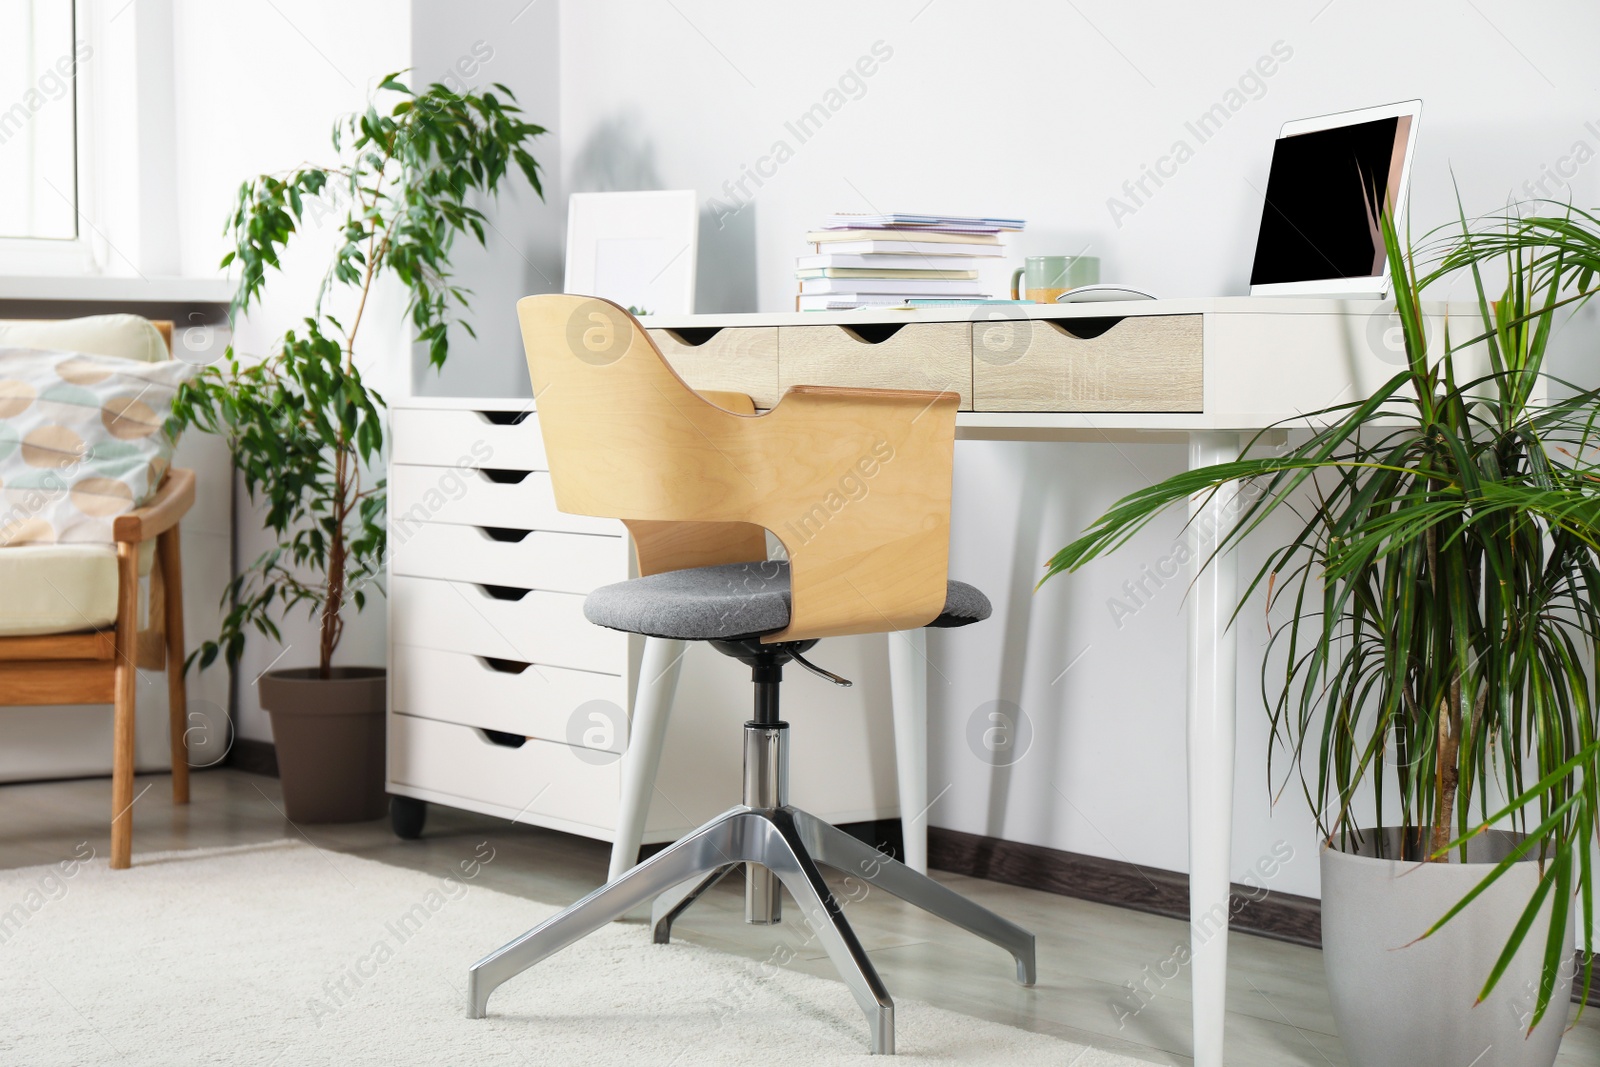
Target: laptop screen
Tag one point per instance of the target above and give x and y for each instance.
(1317, 222)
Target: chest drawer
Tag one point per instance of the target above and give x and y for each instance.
(736, 359)
(1139, 363)
(542, 781)
(521, 500)
(514, 624)
(521, 559)
(915, 355)
(529, 700)
(458, 438)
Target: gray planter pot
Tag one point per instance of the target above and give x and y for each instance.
(329, 735)
(1399, 1003)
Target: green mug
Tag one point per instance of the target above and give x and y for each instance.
(1047, 277)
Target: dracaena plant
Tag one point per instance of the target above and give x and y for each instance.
(304, 427)
(1442, 577)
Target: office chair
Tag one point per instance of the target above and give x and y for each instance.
(856, 485)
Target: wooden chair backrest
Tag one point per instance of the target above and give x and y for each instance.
(854, 482)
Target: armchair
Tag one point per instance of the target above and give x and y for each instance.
(69, 620)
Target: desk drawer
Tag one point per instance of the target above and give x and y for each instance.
(550, 703)
(451, 438)
(540, 778)
(1140, 363)
(518, 499)
(536, 627)
(556, 562)
(916, 355)
(737, 359)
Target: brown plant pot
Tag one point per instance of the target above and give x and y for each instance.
(329, 737)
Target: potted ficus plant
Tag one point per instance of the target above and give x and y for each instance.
(305, 429)
(1435, 680)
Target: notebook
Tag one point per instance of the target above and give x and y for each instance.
(949, 222)
(895, 261)
(890, 286)
(824, 302)
(884, 272)
(926, 236)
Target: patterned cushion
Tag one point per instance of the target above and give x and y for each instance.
(82, 440)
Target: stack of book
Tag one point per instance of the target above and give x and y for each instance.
(885, 260)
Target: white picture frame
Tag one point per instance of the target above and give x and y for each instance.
(636, 249)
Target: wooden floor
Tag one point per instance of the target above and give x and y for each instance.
(1090, 955)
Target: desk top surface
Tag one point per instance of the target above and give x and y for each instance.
(1224, 305)
(1273, 360)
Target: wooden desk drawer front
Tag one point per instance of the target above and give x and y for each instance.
(522, 500)
(451, 438)
(549, 703)
(536, 627)
(917, 355)
(558, 562)
(541, 778)
(1140, 363)
(735, 359)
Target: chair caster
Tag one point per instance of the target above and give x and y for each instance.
(407, 815)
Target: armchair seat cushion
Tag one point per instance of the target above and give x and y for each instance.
(727, 601)
(55, 589)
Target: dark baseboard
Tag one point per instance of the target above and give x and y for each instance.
(1280, 916)
(253, 757)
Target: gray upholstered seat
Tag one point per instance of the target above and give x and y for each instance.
(730, 600)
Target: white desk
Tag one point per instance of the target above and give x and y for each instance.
(1209, 371)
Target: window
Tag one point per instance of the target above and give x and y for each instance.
(39, 55)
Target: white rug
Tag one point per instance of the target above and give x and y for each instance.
(281, 954)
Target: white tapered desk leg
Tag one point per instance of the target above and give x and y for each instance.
(1212, 701)
(908, 691)
(652, 706)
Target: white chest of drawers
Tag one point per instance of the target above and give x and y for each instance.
(504, 700)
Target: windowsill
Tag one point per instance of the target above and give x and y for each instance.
(100, 288)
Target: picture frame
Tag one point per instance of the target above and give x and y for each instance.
(638, 249)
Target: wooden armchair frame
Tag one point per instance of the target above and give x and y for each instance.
(99, 666)
(855, 482)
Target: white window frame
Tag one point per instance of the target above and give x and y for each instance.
(35, 256)
(125, 150)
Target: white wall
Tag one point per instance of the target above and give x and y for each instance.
(259, 85)
(1044, 110)
(515, 44)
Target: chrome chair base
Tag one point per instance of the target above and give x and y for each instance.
(790, 844)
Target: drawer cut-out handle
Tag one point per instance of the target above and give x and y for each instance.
(504, 666)
(501, 738)
(504, 533)
(873, 333)
(504, 592)
(1084, 329)
(502, 477)
(693, 336)
(504, 418)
